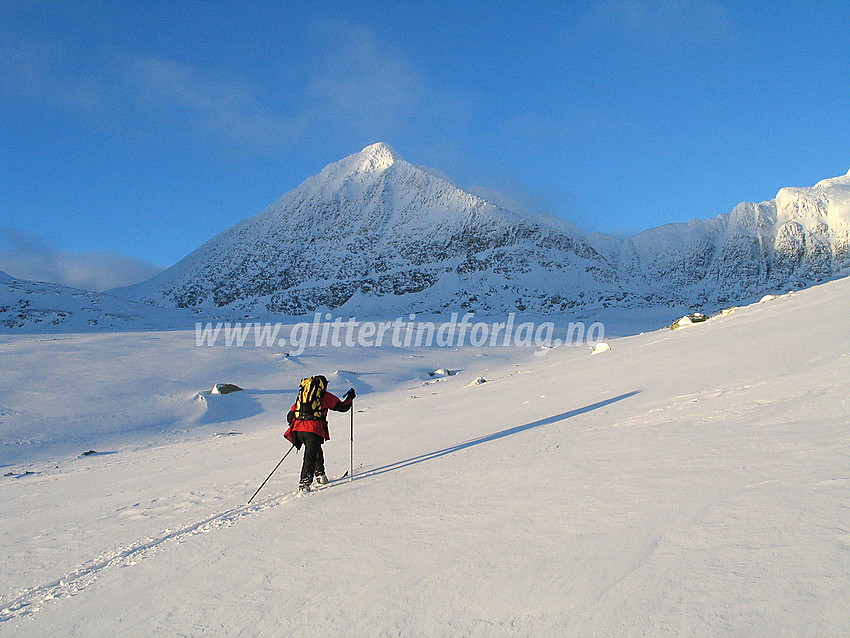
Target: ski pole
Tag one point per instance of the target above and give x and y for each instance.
(270, 475)
(351, 447)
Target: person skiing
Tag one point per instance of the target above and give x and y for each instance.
(308, 426)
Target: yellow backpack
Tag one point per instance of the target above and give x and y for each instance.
(308, 406)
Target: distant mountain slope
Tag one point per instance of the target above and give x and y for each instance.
(373, 234)
(35, 306)
(799, 238)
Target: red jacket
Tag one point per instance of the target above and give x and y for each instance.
(329, 402)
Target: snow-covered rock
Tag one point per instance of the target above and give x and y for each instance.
(225, 388)
(687, 320)
(374, 234)
(601, 347)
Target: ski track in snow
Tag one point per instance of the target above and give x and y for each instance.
(31, 600)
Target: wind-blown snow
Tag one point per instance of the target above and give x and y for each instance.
(688, 482)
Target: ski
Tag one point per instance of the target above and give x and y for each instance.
(332, 481)
(319, 488)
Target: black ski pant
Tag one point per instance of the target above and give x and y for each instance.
(314, 459)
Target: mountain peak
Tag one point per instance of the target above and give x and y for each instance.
(377, 156)
(349, 175)
(380, 149)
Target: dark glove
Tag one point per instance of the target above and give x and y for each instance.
(349, 396)
(290, 417)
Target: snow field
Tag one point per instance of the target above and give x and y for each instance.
(684, 483)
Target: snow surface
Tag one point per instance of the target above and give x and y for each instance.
(687, 483)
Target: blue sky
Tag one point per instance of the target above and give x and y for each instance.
(143, 129)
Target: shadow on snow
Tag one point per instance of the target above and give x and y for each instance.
(493, 437)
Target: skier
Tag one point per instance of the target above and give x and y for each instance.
(308, 426)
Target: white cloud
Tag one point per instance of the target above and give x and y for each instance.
(673, 23)
(218, 104)
(360, 79)
(27, 257)
(38, 71)
(355, 84)
(121, 88)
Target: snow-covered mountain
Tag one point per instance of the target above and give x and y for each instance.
(799, 238)
(374, 234)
